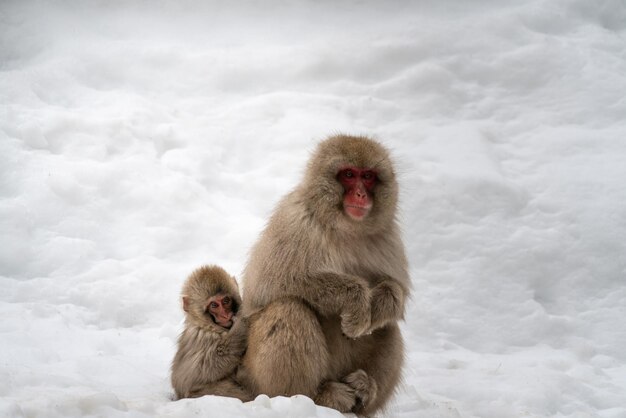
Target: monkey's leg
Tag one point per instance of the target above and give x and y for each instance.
(287, 352)
(364, 387)
(384, 366)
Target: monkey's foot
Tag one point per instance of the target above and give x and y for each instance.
(364, 387)
(336, 395)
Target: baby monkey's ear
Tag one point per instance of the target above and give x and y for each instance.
(185, 301)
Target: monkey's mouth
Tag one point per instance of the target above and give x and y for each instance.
(357, 212)
(225, 322)
(226, 325)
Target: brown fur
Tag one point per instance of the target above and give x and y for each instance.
(208, 355)
(324, 292)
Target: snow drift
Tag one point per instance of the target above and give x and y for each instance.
(139, 140)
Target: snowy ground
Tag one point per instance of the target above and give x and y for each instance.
(141, 139)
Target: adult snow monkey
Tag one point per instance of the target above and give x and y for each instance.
(327, 281)
(214, 339)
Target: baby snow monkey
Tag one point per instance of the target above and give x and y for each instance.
(214, 339)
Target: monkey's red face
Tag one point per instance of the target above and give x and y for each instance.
(358, 184)
(221, 309)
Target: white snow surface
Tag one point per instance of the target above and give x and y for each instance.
(141, 139)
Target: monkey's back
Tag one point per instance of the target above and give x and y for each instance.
(290, 243)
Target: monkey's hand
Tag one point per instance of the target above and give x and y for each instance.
(237, 337)
(339, 294)
(387, 303)
(356, 314)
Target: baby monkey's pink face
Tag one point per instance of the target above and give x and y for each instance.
(221, 309)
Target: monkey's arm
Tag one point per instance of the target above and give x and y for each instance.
(224, 355)
(337, 294)
(204, 358)
(237, 338)
(388, 298)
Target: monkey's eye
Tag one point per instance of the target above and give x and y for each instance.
(226, 301)
(368, 175)
(348, 173)
(213, 305)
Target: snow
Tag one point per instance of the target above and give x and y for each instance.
(140, 140)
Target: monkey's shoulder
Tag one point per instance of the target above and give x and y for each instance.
(291, 234)
(291, 217)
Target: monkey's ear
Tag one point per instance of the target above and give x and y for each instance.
(185, 303)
